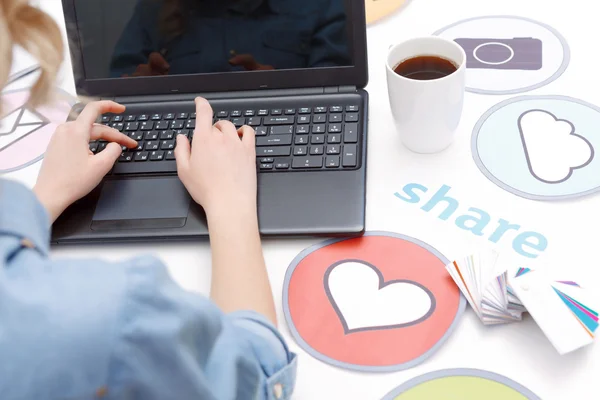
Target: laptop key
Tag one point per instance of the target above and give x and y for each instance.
(351, 108)
(249, 113)
(156, 117)
(304, 119)
(143, 117)
(157, 155)
(334, 138)
(301, 140)
(276, 111)
(316, 150)
(273, 151)
(317, 139)
(279, 120)
(140, 146)
(278, 140)
(266, 166)
(266, 160)
(320, 110)
(263, 113)
(349, 155)
(302, 129)
(167, 145)
(280, 164)
(137, 136)
(290, 111)
(117, 118)
(319, 119)
(254, 121)
(222, 114)
(132, 126)
(101, 146)
(307, 162)
(162, 125)
(191, 124)
(105, 119)
(335, 118)
(118, 126)
(318, 129)
(351, 133)
(145, 168)
(126, 157)
(304, 110)
(151, 145)
(333, 149)
(177, 125)
(335, 109)
(236, 113)
(153, 135)
(170, 155)
(93, 147)
(335, 128)
(140, 156)
(261, 131)
(238, 122)
(182, 116)
(147, 125)
(282, 130)
(166, 135)
(300, 150)
(332, 162)
(169, 116)
(351, 117)
(130, 118)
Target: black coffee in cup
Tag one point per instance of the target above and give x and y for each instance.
(424, 68)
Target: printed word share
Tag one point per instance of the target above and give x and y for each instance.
(528, 244)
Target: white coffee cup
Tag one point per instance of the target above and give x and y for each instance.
(426, 112)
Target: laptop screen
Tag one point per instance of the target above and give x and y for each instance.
(134, 38)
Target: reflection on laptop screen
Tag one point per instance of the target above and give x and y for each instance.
(128, 38)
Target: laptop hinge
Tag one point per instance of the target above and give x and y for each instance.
(339, 89)
(219, 95)
(347, 89)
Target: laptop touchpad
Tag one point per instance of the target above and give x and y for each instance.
(142, 203)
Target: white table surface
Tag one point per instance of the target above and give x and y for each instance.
(519, 351)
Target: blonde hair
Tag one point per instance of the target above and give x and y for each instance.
(38, 34)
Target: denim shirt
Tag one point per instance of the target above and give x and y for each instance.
(90, 329)
(282, 33)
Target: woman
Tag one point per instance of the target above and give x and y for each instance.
(86, 329)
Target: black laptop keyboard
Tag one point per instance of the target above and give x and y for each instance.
(292, 139)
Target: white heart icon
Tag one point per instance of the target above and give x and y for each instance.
(364, 301)
(552, 147)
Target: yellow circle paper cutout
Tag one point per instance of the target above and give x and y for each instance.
(377, 9)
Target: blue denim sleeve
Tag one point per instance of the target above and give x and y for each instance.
(79, 329)
(22, 217)
(172, 341)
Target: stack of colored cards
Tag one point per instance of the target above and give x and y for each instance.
(562, 309)
(500, 294)
(483, 280)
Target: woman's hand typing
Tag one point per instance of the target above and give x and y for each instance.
(70, 170)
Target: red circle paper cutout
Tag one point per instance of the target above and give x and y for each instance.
(381, 302)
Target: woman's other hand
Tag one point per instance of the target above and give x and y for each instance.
(70, 170)
(218, 169)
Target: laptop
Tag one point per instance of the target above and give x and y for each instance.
(294, 71)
